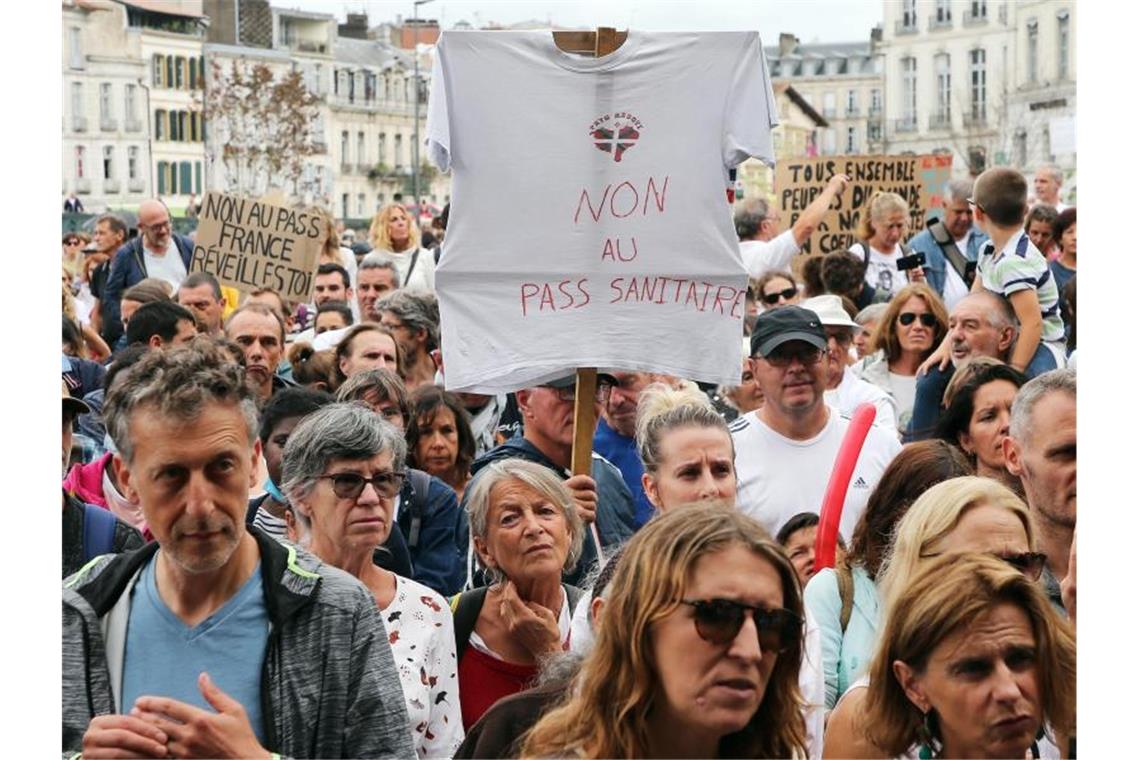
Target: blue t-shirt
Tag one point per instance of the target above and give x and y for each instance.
(163, 656)
(622, 453)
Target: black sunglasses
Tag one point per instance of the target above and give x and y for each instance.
(774, 298)
(1029, 564)
(349, 485)
(927, 319)
(719, 621)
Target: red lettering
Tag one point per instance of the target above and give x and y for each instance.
(524, 295)
(718, 297)
(586, 198)
(691, 295)
(547, 297)
(739, 302)
(616, 287)
(569, 298)
(582, 289)
(705, 300)
(658, 198)
(631, 293)
(614, 198)
(608, 251)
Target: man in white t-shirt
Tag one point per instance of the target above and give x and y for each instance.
(159, 252)
(845, 390)
(762, 246)
(785, 451)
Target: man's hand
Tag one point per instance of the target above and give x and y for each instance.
(194, 732)
(123, 736)
(918, 274)
(838, 183)
(534, 626)
(585, 493)
(1069, 583)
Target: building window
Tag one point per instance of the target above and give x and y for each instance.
(132, 162)
(978, 85)
(75, 47)
(942, 12)
(76, 100)
(829, 142)
(186, 177)
(829, 105)
(382, 149)
(379, 200)
(198, 177)
(977, 9)
(360, 152)
(910, 91)
(876, 101)
(344, 206)
(108, 162)
(104, 102)
(942, 67)
(169, 81)
(160, 124)
(129, 102)
(360, 212)
(909, 14)
(369, 87)
(201, 71)
(179, 72)
(157, 70)
(1031, 51)
(852, 102)
(852, 138)
(1063, 45)
(344, 147)
(1020, 149)
(193, 74)
(161, 177)
(399, 151)
(80, 152)
(193, 127)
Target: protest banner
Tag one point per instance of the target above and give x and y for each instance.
(251, 244)
(920, 180)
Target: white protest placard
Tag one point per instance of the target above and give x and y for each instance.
(591, 228)
(251, 244)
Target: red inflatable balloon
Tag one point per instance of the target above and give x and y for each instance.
(836, 493)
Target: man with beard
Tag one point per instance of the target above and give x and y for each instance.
(615, 437)
(981, 324)
(215, 640)
(260, 332)
(785, 450)
(413, 319)
(1041, 450)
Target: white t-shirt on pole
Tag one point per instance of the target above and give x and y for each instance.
(777, 477)
(589, 222)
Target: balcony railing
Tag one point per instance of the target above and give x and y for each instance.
(935, 23)
(82, 185)
(940, 121)
(110, 185)
(907, 26)
(974, 119)
(852, 112)
(108, 124)
(78, 123)
(906, 124)
(969, 19)
(132, 125)
(875, 112)
(829, 113)
(135, 185)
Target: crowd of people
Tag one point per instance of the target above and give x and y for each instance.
(282, 536)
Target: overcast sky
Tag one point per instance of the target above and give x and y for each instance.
(810, 20)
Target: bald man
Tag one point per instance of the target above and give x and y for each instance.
(157, 251)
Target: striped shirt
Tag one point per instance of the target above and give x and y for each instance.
(1020, 266)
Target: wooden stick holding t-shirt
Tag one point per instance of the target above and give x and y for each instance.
(605, 41)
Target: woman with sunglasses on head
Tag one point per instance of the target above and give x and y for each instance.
(957, 516)
(973, 663)
(913, 325)
(975, 417)
(342, 468)
(698, 649)
(776, 289)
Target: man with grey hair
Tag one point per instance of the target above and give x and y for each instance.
(762, 246)
(981, 324)
(1041, 450)
(376, 277)
(215, 640)
(1047, 187)
(413, 319)
(951, 245)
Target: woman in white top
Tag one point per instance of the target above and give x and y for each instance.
(884, 222)
(342, 469)
(914, 323)
(394, 231)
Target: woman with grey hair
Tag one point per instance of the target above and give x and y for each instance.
(526, 532)
(867, 319)
(342, 470)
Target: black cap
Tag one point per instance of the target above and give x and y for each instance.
(777, 326)
(568, 381)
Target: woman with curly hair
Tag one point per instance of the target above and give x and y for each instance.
(394, 231)
(698, 649)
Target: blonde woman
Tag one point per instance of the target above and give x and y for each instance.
(394, 231)
(884, 223)
(698, 650)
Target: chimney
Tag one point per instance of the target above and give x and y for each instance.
(788, 43)
(355, 27)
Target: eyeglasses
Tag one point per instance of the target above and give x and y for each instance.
(774, 298)
(349, 485)
(782, 357)
(601, 394)
(842, 337)
(719, 621)
(1029, 564)
(72, 242)
(926, 318)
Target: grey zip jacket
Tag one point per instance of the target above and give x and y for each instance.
(329, 685)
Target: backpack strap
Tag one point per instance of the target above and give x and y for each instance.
(846, 583)
(866, 253)
(573, 596)
(950, 251)
(465, 609)
(412, 267)
(98, 531)
(421, 482)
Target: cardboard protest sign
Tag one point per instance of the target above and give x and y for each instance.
(250, 244)
(918, 179)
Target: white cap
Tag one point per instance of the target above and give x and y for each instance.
(829, 309)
